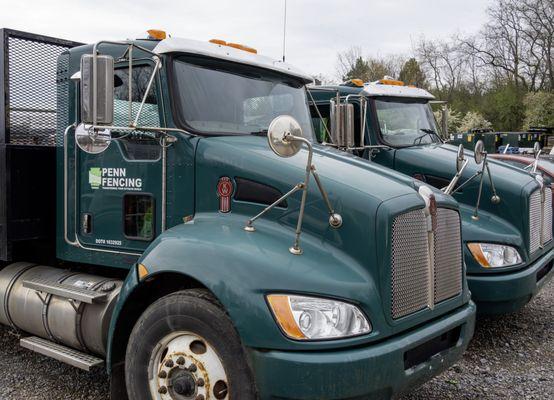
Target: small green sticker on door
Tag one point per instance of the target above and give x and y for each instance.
(95, 177)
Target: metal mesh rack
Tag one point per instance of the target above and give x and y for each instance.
(28, 74)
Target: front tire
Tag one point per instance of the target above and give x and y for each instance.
(184, 346)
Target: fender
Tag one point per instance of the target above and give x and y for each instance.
(488, 229)
(207, 250)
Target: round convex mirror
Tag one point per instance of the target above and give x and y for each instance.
(92, 141)
(479, 151)
(460, 158)
(277, 133)
(536, 148)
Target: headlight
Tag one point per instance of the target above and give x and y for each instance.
(313, 318)
(494, 255)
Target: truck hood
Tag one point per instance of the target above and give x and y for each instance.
(437, 163)
(252, 153)
(368, 197)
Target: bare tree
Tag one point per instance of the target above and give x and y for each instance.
(517, 43)
(346, 60)
(443, 63)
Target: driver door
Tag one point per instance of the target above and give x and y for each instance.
(120, 190)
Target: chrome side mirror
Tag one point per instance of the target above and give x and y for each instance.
(537, 152)
(479, 152)
(92, 141)
(461, 164)
(460, 158)
(536, 148)
(97, 89)
(280, 133)
(285, 139)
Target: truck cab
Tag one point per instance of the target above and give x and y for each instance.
(506, 213)
(207, 247)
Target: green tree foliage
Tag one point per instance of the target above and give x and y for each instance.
(411, 74)
(474, 120)
(360, 70)
(454, 119)
(503, 104)
(539, 109)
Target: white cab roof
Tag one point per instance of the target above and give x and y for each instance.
(179, 45)
(377, 89)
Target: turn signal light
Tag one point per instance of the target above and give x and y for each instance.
(156, 34)
(234, 45)
(142, 272)
(391, 82)
(243, 47)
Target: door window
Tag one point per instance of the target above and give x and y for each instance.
(138, 216)
(137, 146)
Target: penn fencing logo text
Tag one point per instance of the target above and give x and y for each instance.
(112, 179)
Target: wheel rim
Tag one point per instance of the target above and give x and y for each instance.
(184, 366)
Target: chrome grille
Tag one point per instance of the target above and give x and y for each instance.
(414, 284)
(448, 255)
(409, 264)
(540, 219)
(547, 224)
(535, 222)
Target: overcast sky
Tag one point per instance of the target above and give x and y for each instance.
(316, 29)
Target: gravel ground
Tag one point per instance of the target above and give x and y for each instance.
(510, 357)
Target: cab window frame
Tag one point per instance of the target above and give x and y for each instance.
(157, 85)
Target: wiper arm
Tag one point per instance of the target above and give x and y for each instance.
(429, 132)
(261, 132)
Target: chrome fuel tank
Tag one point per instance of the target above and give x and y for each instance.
(53, 314)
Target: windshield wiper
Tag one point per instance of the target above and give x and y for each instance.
(261, 132)
(428, 132)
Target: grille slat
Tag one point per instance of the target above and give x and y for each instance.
(540, 219)
(535, 221)
(409, 267)
(412, 287)
(448, 255)
(547, 225)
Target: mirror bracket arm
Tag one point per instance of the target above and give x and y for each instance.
(335, 219)
(451, 186)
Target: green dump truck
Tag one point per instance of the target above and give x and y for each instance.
(166, 212)
(506, 213)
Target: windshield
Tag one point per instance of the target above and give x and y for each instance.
(215, 96)
(406, 123)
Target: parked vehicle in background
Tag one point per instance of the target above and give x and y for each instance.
(192, 256)
(506, 213)
(545, 164)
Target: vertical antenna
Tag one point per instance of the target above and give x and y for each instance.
(285, 31)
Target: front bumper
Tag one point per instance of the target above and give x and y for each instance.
(508, 292)
(376, 371)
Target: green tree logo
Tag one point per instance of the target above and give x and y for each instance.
(95, 178)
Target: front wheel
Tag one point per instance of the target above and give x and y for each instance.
(184, 347)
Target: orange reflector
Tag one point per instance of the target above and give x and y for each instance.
(243, 47)
(156, 34)
(219, 41)
(357, 82)
(391, 82)
(477, 252)
(142, 272)
(281, 309)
